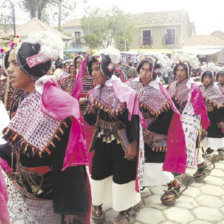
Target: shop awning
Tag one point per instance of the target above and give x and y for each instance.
(200, 51)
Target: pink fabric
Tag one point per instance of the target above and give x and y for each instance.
(4, 214)
(5, 165)
(176, 155)
(199, 105)
(77, 91)
(60, 105)
(36, 60)
(127, 95)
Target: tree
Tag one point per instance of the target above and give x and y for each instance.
(7, 14)
(103, 28)
(60, 9)
(36, 7)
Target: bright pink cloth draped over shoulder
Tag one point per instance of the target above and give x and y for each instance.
(199, 105)
(78, 88)
(4, 214)
(60, 105)
(176, 155)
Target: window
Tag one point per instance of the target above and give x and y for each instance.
(77, 38)
(147, 39)
(170, 36)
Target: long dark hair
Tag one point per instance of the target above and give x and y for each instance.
(207, 73)
(186, 67)
(218, 74)
(152, 66)
(90, 61)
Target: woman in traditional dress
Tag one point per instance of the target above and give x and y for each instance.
(67, 83)
(160, 114)
(188, 99)
(220, 79)
(113, 110)
(214, 101)
(45, 147)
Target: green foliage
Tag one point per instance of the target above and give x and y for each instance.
(69, 55)
(103, 28)
(36, 8)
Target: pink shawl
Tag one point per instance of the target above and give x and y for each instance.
(4, 214)
(199, 105)
(60, 105)
(172, 162)
(77, 91)
(176, 156)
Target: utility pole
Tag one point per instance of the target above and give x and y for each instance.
(13, 16)
(59, 14)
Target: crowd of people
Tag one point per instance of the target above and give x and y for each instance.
(75, 135)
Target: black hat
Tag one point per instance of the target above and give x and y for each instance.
(34, 54)
(108, 60)
(31, 62)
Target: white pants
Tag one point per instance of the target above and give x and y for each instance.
(120, 196)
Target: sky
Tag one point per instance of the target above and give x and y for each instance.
(207, 16)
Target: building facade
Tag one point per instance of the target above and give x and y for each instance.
(155, 30)
(162, 30)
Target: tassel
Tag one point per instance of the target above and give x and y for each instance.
(53, 144)
(61, 131)
(56, 136)
(65, 124)
(14, 138)
(48, 151)
(26, 147)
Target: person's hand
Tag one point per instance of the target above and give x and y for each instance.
(148, 137)
(131, 152)
(203, 133)
(82, 101)
(221, 125)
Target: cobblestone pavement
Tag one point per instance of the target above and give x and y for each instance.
(201, 203)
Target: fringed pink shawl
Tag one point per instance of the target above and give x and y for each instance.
(176, 155)
(60, 105)
(172, 162)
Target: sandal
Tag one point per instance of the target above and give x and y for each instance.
(202, 172)
(128, 216)
(169, 197)
(98, 215)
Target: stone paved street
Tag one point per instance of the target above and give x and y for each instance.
(201, 203)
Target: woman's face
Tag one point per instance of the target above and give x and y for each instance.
(50, 71)
(66, 67)
(97, 75)
(221, 79)
(207, 80)
(181, 73)
(78, 63)
(72, 70)
(17, 76)
(145, 74)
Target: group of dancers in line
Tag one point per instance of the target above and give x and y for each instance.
(138, 133)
